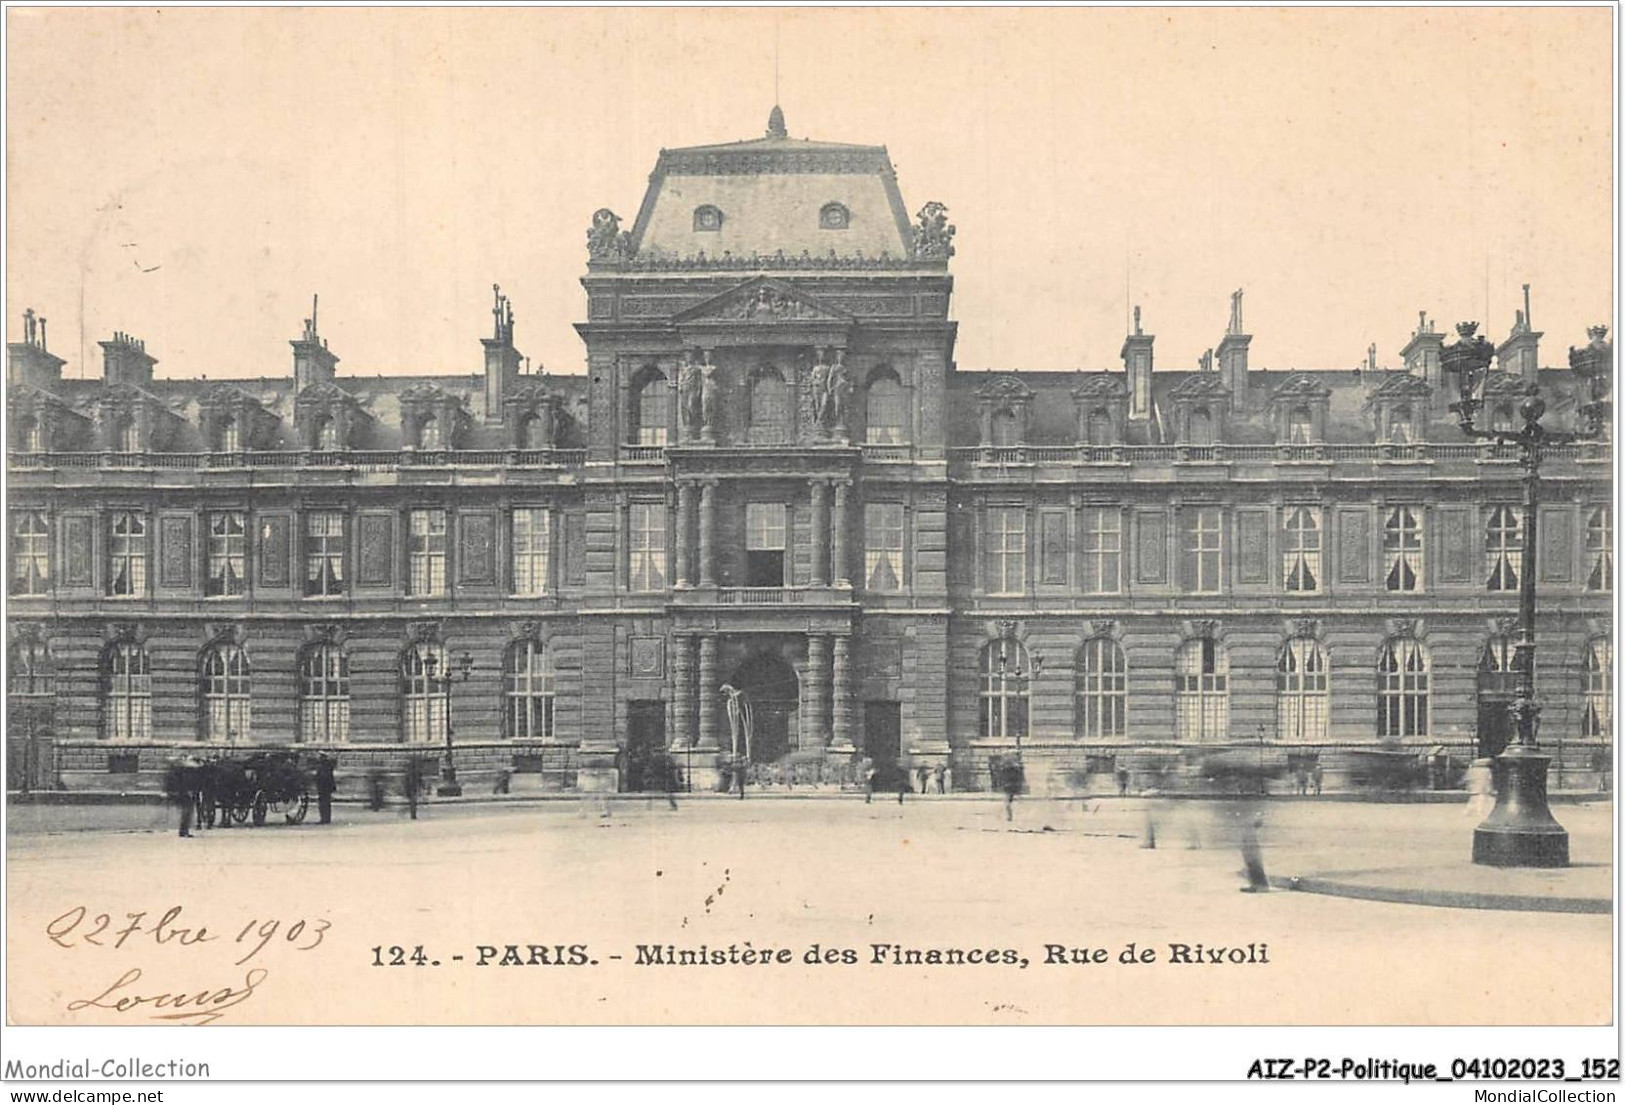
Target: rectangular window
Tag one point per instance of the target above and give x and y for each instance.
(127, 552)
(883, 546)
(1300, 556)
(30, 553)
(1203, 550)
(227, 545)
(1102, 550)
(647, 546)
(1402, 548)
(1053, 548)
(766, 530)
(324, 553)
(1007, 550)
(1503, 548)
(1600, 549)
(531, 539)
(426, 553)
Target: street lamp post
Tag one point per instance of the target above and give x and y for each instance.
(1520, 831)
(460, 669)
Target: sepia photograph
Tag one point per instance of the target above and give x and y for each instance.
(811, 517)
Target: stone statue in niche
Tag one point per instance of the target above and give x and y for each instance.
(710, 398)
(839, 395)
(818, 389)
(690, 394)
(933, 234)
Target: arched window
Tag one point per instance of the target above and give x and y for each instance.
(224, 685)
(834, 216)
(886, 419)
(230, 437)
(30, 434)
(1300, 426)
(1597, 671)
(326, 435)
(429, 434)
(769, 406)
(1006, 429)
(1101, 432)
(127, 693)
(1302, 691)
(1402, 689)
(533, 432)
(707, 218)
(1003, 692)
(527, 692)
(651, 398)
(1202, 691)
(324, 694)
(1199, 428)
(126, 436)
(425, 694)
(32, 673)
(1401, 426)
(1102, 690)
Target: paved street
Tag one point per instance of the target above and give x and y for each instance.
(781, 874)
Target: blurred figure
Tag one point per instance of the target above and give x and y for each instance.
(1252, 855)
(411, 783)
(939, 775)
(1317, 776)
(324, 789)
(1480, 789)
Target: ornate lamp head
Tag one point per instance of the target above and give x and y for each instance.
(1595, 364)
(1468, 360)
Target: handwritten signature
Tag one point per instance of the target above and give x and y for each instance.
(203, 1006)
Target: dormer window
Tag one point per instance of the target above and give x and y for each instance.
(429, 436)
(32, 435)
(1300, 426)
(327, 435)
(834, 216)
(231, 438)
(127, 436)
(707, 218)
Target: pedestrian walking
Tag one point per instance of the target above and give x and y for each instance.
(1300, 779)
(1315, 777)
(866, 769)
(1122, 782)
(902, 784)
(324, 789)
(1252, 855)
(182, 784)
(1011, 779)
(939, 776)
(924, 775)
(411, 783)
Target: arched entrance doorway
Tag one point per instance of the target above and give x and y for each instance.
(773, 694)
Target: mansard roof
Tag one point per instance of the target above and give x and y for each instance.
(772, 192)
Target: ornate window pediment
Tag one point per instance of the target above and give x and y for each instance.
(432, 417)
(1399, 408)
(1100, 401)
(328, 417)
(532, 415)
(233, 420)
(1201, 409)
(1298, 409)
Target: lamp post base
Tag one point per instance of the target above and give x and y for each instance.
(1521, 831)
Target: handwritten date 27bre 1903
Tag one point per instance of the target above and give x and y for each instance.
(193, 1001)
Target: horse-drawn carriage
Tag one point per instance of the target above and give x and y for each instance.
(254, 786)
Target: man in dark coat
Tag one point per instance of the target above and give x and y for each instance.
(411, 783)
(324, 789)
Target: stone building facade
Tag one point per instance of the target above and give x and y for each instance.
(773, 483)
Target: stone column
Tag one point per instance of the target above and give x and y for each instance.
(820, 534)
(708, 531)
(842, 695)
(709, 695)
(818, 690)
(682, 693)
(838, 532)
(685, 538)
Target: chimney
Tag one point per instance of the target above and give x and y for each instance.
(501, 358)
(1520, 353)
(1136, 356)
(312, 362)
(1233, 352)
(1421, 357)
(125, 361)
(29, 361)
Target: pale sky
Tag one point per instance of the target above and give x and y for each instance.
(192, 176)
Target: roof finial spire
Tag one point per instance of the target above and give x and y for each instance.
(775, 123)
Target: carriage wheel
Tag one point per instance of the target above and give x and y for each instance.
(259, 810)
(239, 814)
(295, 811)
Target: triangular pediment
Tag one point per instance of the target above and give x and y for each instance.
(763, 300)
